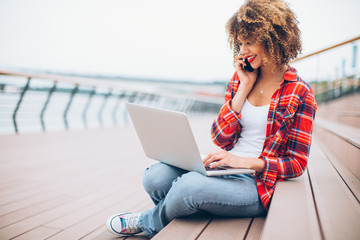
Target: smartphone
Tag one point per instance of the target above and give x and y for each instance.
(247, 67)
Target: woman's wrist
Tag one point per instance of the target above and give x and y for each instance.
(256, 164)
(239, 99)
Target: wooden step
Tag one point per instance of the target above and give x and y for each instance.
(292, 202)
(337, 208)
(345, 110)
(341, 140)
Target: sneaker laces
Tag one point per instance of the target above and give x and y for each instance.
(130, 223)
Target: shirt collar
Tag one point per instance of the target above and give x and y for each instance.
(291, 75)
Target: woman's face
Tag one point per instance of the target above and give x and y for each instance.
(254, 52)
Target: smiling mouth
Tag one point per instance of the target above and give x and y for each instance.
(251, 59)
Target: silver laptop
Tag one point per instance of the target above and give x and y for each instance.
(166, 136)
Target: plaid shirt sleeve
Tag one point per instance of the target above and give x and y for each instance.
(226, 128)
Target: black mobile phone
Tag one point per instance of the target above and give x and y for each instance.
(247, 67)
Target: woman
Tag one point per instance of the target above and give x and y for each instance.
(265, 124)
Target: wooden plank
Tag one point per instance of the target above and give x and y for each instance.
(348, 133)
(46, 193)
(89, 194)
(183, 228)
(226, 228)
(16, 205)
(38, 233)
(42, 218)
(60, 171)
(350, 179)
(344, 110)
(84, 210)
(134, 203)
(341, 148)
(292, 203)
(104, 235)
(39, 208)
(68, 185)
(138, 237)
(338, 210)
(256, 228)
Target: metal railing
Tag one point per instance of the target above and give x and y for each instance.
(327, 91)
(41, 102)
(333, 71)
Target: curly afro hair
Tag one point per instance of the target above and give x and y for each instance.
(268, 22)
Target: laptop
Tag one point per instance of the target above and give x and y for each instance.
(166, 136)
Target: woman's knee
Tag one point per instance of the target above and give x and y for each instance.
(190, 184)
(160, 176)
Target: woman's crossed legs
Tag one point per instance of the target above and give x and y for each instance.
(178, 193)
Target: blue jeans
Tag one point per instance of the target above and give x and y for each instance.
(177, 193)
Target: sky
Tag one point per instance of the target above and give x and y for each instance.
(175, 40)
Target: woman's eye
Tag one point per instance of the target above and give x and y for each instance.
(249, 43)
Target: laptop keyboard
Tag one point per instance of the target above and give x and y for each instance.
(207, 168)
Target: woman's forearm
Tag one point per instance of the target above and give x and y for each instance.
(239, 98)
(256, 164)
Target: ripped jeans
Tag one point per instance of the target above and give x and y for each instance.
(177, 193)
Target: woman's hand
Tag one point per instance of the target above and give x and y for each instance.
(221, 157)
(247, 78)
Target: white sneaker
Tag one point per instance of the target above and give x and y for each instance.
(124, 224)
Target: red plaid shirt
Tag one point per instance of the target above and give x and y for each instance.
(288, 132)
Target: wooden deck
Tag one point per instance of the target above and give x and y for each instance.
(65, 185)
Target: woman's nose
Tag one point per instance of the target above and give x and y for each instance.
(243, 49)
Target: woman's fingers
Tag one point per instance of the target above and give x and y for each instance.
(216, 163)
(222, 157)
(213, 157)
(239, 62)
(205, 159)
(211, 154)
(209, 159)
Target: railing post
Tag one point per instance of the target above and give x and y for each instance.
(19, 103)
(45, 106)
(87, 107)
(152, 98)
(117, 107)
(132, 97)
(73, 92)
(102, 107)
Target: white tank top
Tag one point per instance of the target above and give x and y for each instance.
(253, 131)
